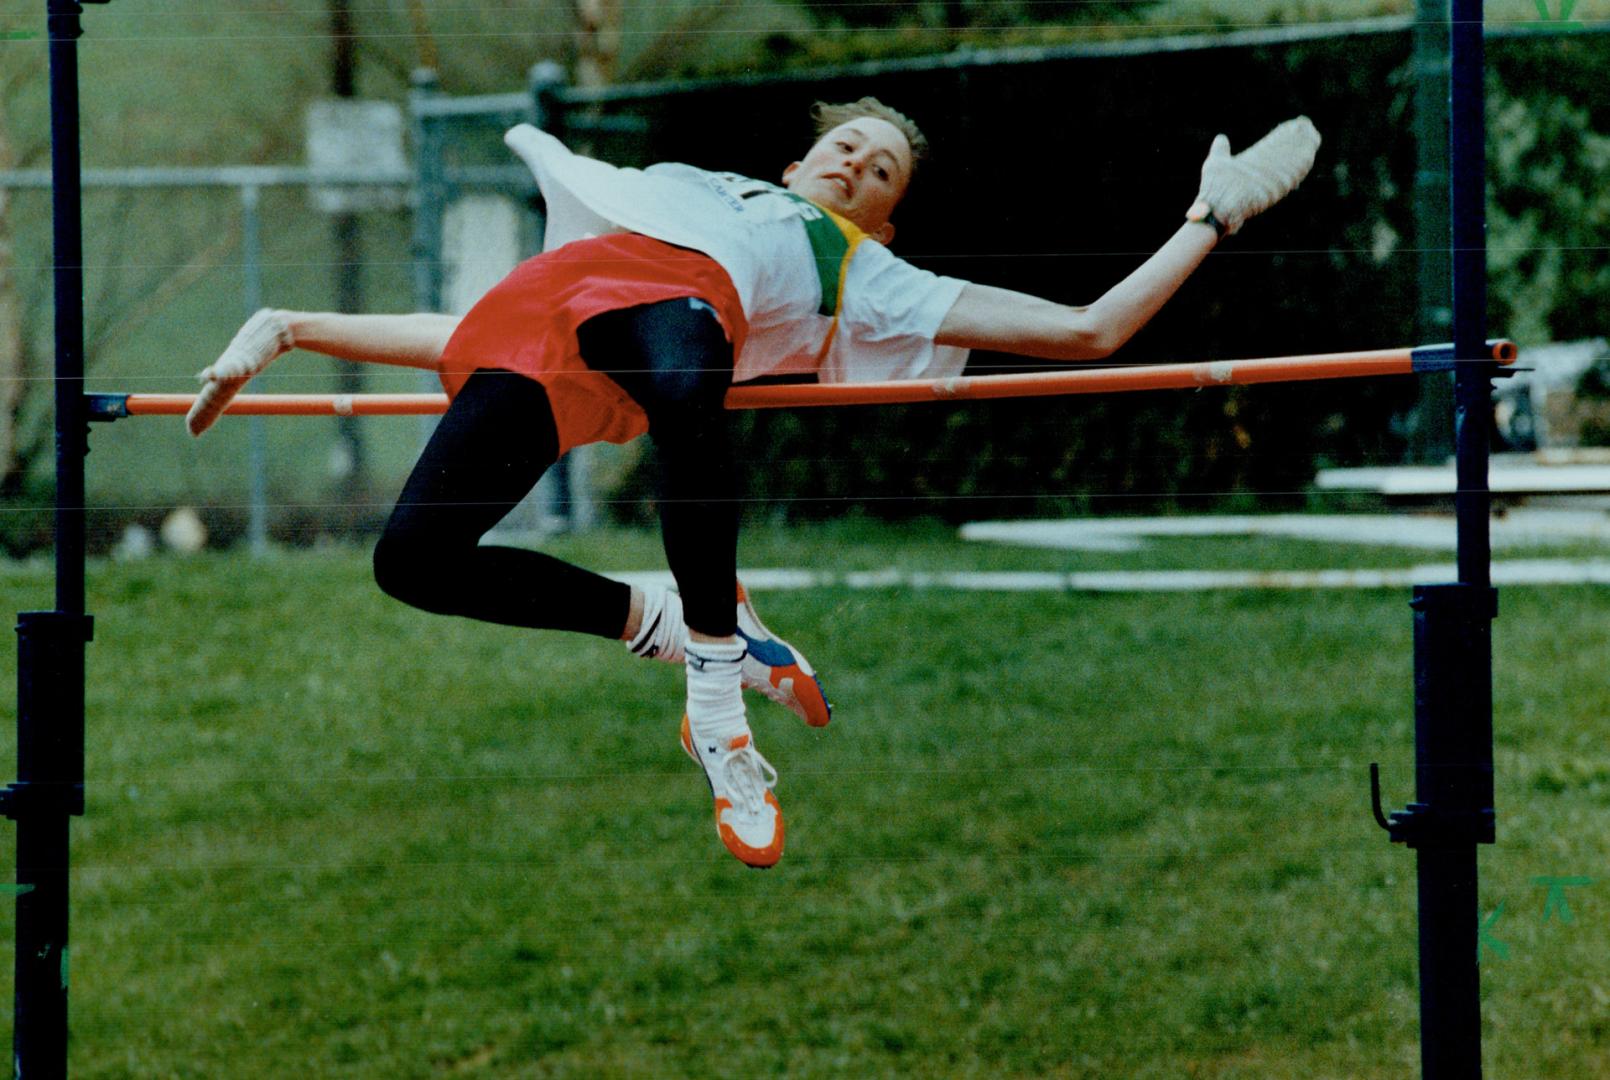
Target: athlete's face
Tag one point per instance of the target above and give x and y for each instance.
(860, 170)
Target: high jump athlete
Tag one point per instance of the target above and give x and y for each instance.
(656, 291)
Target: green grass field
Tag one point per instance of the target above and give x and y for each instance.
(1047, 834)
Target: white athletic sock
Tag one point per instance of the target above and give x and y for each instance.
(715, 693)
(662, 635)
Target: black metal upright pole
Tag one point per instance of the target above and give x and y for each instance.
(71, 419)
(1473, 384)
(1453, 657)
(51, 644)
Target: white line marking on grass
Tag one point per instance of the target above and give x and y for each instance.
(1503, 477)
(1517, 572)
(1434, 532)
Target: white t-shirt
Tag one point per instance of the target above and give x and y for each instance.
(888, 310)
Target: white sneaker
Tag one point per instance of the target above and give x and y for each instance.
(777, 669)
(748, 817)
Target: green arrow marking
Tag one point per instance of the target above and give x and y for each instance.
(16, 890)
(1555, 900)
(18, 35)
(1487, 941)
(1564, 21)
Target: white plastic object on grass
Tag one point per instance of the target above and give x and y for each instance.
(183, 532)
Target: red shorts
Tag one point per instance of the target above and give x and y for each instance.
(527, 324)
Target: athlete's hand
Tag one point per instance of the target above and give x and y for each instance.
(265, 337)
(1236, 187)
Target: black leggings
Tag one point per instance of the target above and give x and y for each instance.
(498, 437)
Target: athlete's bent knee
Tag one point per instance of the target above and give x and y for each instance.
(406, 571)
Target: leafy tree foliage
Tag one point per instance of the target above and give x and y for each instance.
(1549, 205)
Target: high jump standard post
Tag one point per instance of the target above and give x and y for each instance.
(1453, 654)
(49, 789)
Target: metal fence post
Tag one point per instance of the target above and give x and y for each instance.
(252, 291)
(430, 197)
(430, 184)
(1431, 437)
(570, 486)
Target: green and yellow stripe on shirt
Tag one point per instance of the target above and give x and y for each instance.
(833, 241)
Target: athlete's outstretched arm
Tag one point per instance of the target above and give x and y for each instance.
(985, 317)
(1234, 188)
(405, 340)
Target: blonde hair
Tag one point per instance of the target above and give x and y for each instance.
(828, 117)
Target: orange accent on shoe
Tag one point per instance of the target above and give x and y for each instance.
(808, 691)
(687, 738)
(759, 858)
(738, 742)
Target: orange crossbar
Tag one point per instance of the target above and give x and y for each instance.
(1105, 380)
(297, 404)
